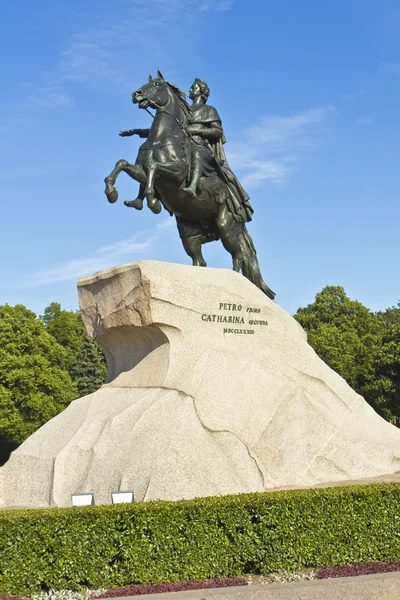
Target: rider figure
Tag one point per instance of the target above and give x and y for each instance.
(207, 154)
(204, 128)
(207, 135)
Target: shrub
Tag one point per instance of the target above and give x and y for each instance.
(228, 536)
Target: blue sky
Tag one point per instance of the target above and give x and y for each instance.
(308, 92)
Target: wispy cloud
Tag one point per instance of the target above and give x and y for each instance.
(51, 97)
(104, 257)
(141, 34)
(187, 5)
(270, 148)
(214, 6)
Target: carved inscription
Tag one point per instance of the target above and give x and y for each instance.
(247, 316)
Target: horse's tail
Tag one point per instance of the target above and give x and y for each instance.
(251, 268)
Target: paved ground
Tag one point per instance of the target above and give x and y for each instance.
(385, 586)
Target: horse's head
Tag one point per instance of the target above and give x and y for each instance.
(155, 93)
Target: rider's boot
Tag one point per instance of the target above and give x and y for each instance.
(192, 188)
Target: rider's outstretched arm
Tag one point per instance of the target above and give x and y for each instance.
(142, 133)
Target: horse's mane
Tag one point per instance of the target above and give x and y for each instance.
(185, 107)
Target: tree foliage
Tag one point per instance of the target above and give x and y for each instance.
(66, 327)
(384, 390)
(34, 382)
(85, 363)
(362, 346)
(89, 371)
(45, 363)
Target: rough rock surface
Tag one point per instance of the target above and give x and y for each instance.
(212, 390)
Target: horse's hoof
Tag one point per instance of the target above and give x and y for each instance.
(154, 206)
(138, 203)
(112, 195)
(200, 264)
(237, 265)
(268, 291)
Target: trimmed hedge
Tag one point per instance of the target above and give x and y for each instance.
(151, 542)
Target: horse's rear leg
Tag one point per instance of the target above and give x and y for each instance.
(192, 246)
(229, 231)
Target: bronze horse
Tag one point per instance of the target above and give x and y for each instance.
(162, 168)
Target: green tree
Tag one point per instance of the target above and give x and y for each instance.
(344, 333)
(362, 346)
(66, 327)
(34, 382)
(89, 371)
(391, 315)
(86, 361)
(384, 390)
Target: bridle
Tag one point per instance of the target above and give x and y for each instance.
(163, 110)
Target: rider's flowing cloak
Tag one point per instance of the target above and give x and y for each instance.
(238, 201)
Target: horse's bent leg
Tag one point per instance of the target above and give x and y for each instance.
(229, 231)
(136, 172)
(171, 169)
(153, 203)
(138, 203)
(120, 165)
(192, 247)
(110, 191)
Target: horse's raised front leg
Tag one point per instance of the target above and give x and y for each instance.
(171, 169)
(134, 171)
(153, 203)
(138, 203)
(110, 191)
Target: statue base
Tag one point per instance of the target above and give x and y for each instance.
(212, 390)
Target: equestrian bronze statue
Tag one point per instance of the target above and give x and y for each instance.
(182, 167)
